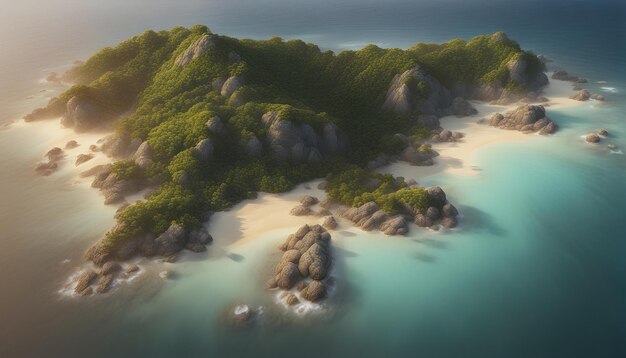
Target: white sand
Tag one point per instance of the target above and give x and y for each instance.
(459, 158)
(270, 212)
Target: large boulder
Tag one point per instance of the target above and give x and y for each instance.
(299, 142)
(81, 114)
(195, 50)
(462, 108)
(84, 281)
(171, 241)
(564, 76)
(519, 73)
(314, 291)
(232, 84)
(288, 276)
(215, 125)
(582, 95)
(436, 196)
(253, 146)
(525, 118)
(416, 91)
(204, 150)
(143, 155)
(592, 138)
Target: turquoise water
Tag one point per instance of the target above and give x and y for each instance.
(536, 268)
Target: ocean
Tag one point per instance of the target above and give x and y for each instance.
(537, 267)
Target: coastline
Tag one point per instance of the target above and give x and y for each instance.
(269, 213)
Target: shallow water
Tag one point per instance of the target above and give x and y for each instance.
(535, 269)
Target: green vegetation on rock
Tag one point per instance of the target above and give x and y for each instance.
(167, 102)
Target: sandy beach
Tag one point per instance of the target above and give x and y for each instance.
(270, 212)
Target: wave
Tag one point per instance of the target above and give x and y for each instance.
(609, 89)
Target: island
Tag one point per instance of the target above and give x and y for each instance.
(202, 121)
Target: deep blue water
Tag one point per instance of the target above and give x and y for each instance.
(537, 269)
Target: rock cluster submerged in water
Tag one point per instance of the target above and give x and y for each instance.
(103, 280)
(526, 118)
(53, 157)
(306, 261)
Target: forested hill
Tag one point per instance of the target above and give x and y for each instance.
(210, 120)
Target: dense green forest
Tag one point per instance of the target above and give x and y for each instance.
(168, 104)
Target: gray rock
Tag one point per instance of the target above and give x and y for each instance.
(171, 241)
(603, 132)
(143, 157)
(292, 299)
(71, 144)
(597, 97)
(592, 138)
(564, 76)
(448, 210)
(204, 150)
(422, 220)
(81, 114)
(215, 125)
(436, 196)
(433, 213)
(462, 108)
(82, 158)
(308, 200)
(231, 85)
(415, 90)
(330, 223)
(394, 226)
(449, 222)
(582, 95)
(301, 210)
(195, 50)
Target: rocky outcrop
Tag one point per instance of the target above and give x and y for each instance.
(308, 200)
(518, 72)
(592, 138)
(171, 241)
(53, 156)
(215, 125)
(582, 95)
(603, 132)
(195, 50)
(231, 85)
(369, 217)
(306, 257)
(301, 210)
(416, 91)
(82, 158)
(564, 76)
(71, 144)
(119, 146)
(84, 281)
(204, 150)
(82, 113)
(299, 142)
(143, 155)
(423, 156)
(330, 223)
(113, 188)
(462, 108)
(525, 118)
(446, 136)
(54, 109)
